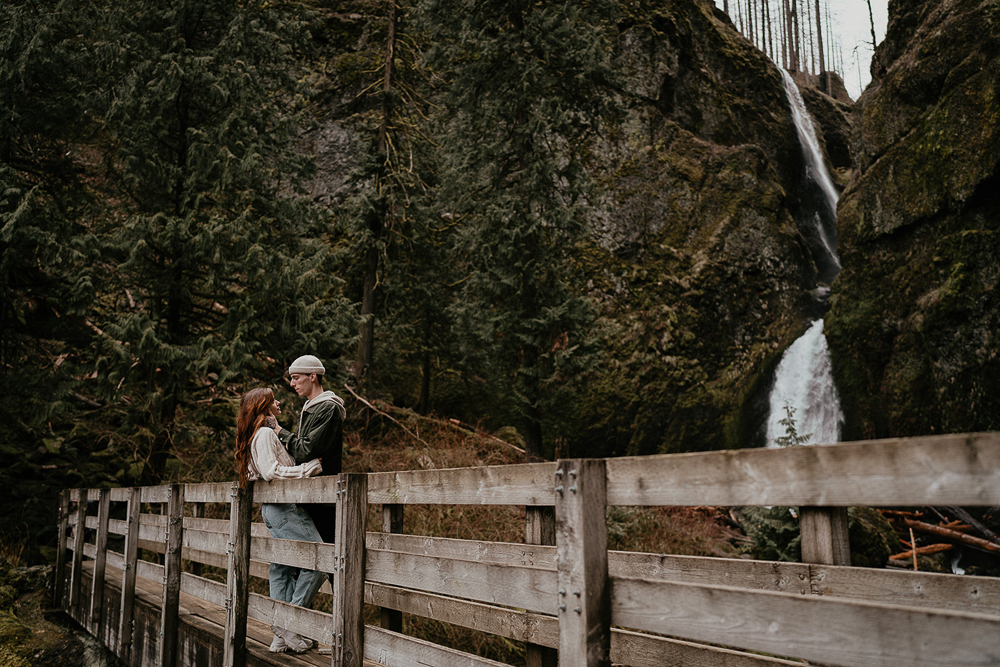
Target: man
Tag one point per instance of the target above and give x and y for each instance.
(320, 433)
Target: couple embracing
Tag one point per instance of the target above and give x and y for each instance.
(266, 451)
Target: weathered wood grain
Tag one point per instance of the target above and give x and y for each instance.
(79, 532)
(238, 576)
(961, 469)
(827, 630)
(520, 587)
(62, 535)
(100, 563)
(385, 647)
(824, 535)
(641, 650)
(584, 609)
(521, 484)
(172, 576)
(348, 608)
(130, 559)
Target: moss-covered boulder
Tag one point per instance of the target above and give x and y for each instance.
(914, 320)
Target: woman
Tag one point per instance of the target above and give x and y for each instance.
(259, 455)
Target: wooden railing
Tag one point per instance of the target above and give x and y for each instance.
(562, 592)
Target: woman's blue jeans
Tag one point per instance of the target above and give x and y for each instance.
(288, 521)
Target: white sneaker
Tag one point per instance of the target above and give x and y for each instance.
(294, 642)
(278, 645)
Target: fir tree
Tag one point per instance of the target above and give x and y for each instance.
(395, 242)
(213, 266)
(528, 83)
(44, 282)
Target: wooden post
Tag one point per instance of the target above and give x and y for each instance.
(540, 528)
(96, 615)
(172, 577)
(234, 641)
(582, 563)
(392, 522)
(824, 535)
(349, 596)
(128, 576)
(62, 532)
(78, 540)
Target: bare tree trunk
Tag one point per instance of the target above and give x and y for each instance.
(377, 224)
(871, 20)
(785, 50)
(819, 40)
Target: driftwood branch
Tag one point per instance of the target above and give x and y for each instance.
(953, 535)
(969, 519)
(488, 436)
(922, 551)
(387, 416)
(452, 422)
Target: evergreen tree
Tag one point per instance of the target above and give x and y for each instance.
(528, 82)
(387, 214)
(44, 283)
(214, 264)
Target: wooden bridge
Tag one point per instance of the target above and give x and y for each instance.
(561, 592)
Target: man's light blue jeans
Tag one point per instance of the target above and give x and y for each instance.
(288, 521)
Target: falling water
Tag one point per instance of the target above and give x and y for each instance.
(803, 381)
(817, 217)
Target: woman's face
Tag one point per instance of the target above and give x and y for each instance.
(275, 408)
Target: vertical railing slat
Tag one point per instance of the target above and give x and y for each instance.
(238, 578)
(96, 615)
(824, 535)
(126, 621)
(582, 564)
(62, 533)
(172, 577)
(78, 539)
(540, 528)
(348, 611)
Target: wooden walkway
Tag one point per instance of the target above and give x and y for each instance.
(202, 625)
(131, 578)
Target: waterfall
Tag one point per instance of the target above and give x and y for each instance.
(817, 217)
(803, 380)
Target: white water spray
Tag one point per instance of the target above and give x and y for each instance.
(804, 382)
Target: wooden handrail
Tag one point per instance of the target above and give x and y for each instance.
(820, 610)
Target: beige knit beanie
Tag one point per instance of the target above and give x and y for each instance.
(307, 364)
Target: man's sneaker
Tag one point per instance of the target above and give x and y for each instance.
(278, 645)
(294, 642)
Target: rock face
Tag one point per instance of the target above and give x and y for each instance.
(915, 317)
(698, 259)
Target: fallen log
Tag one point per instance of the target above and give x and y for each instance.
(953, 535)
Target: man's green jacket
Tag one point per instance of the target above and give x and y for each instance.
(320, 434)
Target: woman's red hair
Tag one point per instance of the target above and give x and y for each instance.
(255, 406)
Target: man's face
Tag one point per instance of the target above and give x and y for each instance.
(302, 383)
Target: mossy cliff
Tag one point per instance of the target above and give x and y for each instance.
(697, 259)
(915, 316)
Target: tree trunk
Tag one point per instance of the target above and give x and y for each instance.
(366, 342)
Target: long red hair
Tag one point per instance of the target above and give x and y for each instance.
(255, 406)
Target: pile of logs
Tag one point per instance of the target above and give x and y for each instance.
(944, 527)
